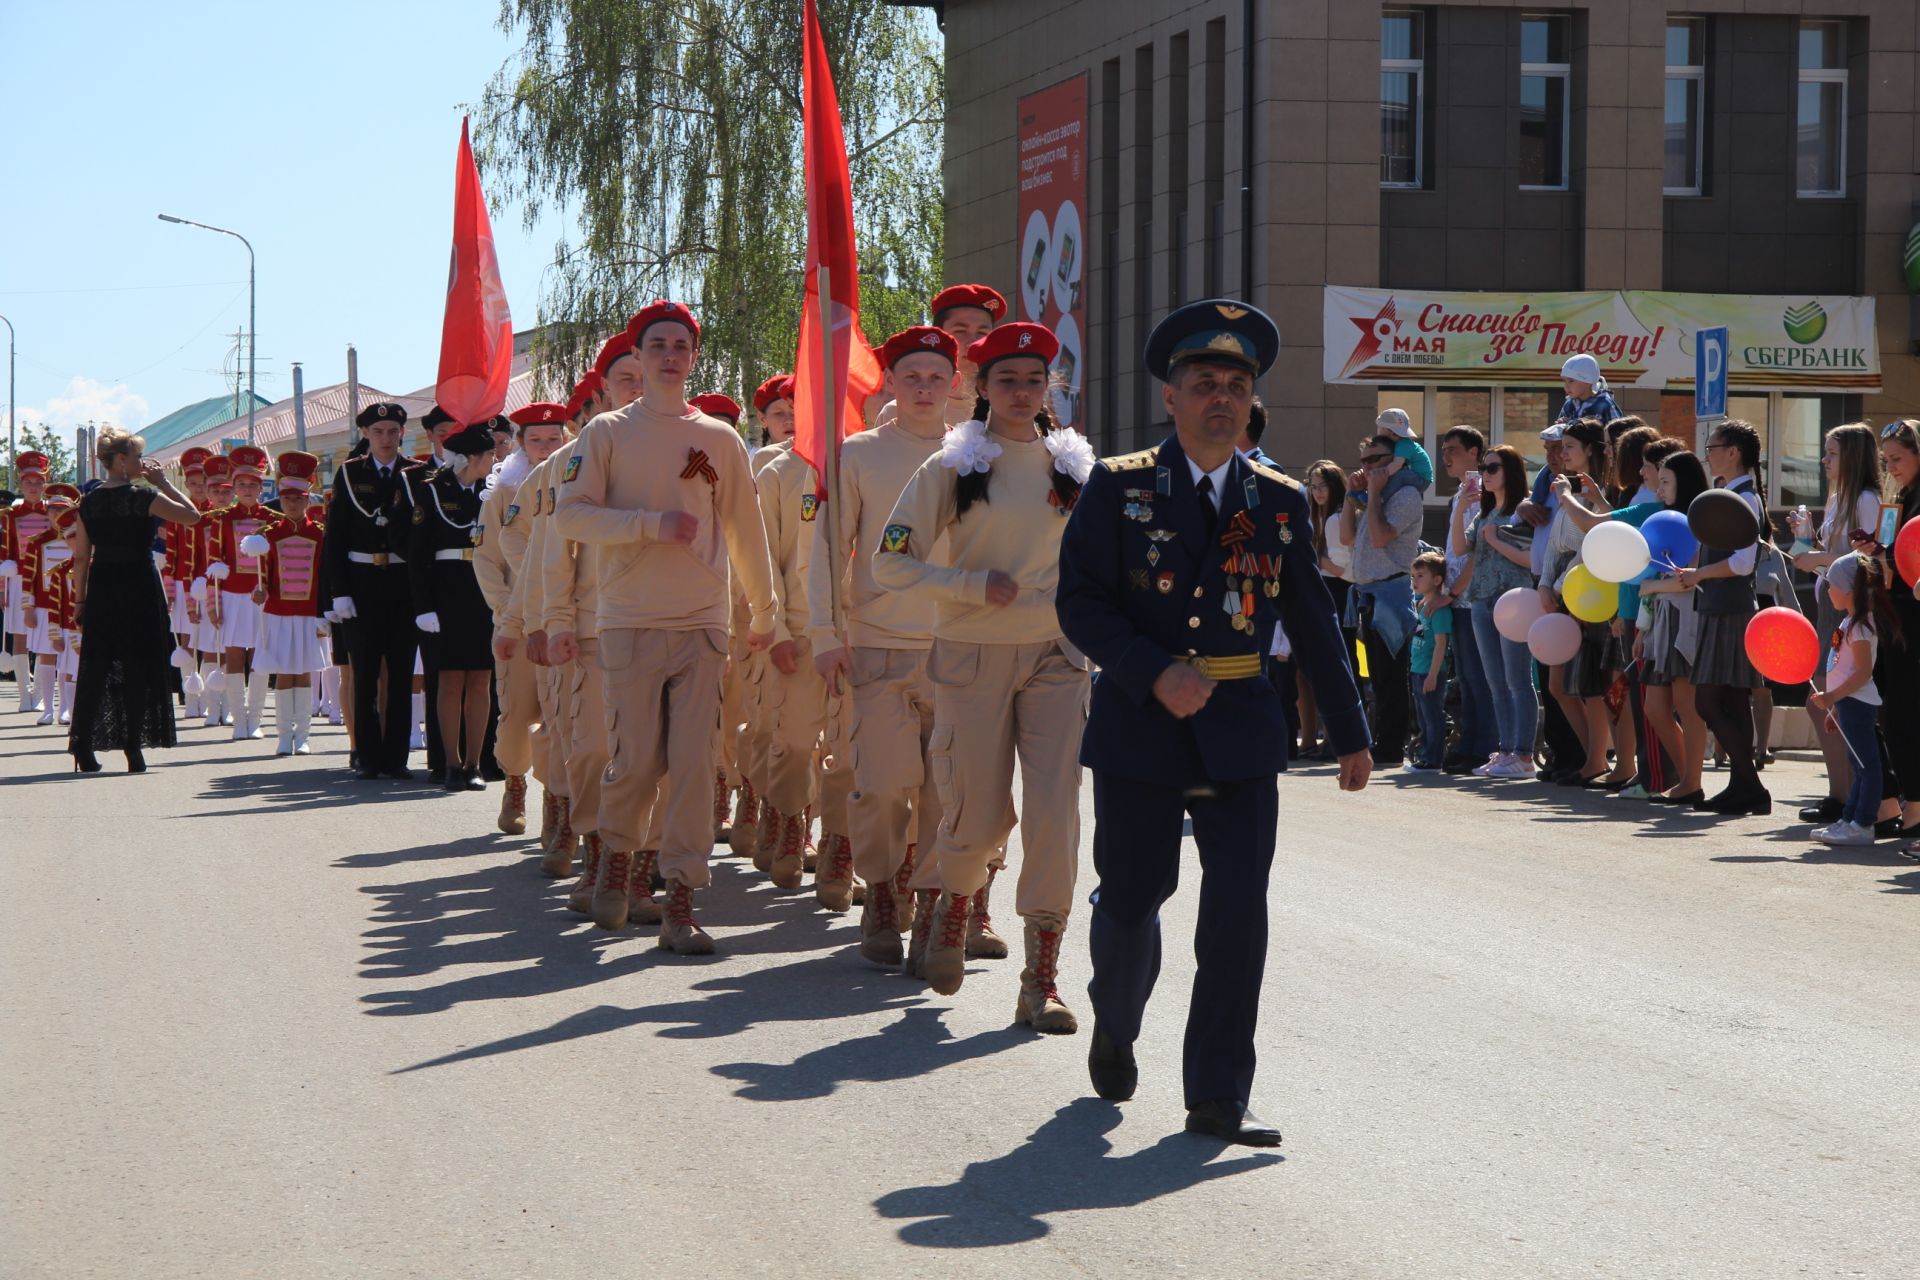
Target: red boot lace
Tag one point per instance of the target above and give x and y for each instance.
(953, 922)
(565, 833)
(641, 882)
(517, 791)
(885, 911)
(904, 875)
(590, 873)
(1046, 964)
(720, 798)
(619, 868)
(840, 859)
(981, 920)
(679, 906)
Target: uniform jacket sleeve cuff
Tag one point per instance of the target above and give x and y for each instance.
(650, 526)
(1138, 668)
(1347, 730)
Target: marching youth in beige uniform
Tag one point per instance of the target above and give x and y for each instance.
(1005, 681)
(665, 494)
(886, 731)
(496, 562)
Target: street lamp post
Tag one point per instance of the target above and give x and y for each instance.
(253, 335)
(13, 470)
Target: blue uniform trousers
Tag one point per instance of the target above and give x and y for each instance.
(1136, 855)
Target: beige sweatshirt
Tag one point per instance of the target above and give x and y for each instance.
(534, 497)
(874, 467)
(789, 512)
(503, 541)
(630, 468)
(569, 574)
(1015, 530)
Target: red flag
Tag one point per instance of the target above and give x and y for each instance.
(476, 337)
(850, 365)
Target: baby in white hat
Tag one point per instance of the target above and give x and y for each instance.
(1411, 467)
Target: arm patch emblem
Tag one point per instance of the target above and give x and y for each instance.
(809, 506)
(573, 469)
(896, 537)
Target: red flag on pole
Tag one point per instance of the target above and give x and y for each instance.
(832, 380)
(476, 337)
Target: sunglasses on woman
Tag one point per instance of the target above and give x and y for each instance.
(1488, 468)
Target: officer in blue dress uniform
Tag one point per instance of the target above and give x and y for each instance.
(1175, 566)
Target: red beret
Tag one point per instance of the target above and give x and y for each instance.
(663, 313)
(541, 413)
(1022, 338)
(778, 387)
(718, 406)
(970, 295)
(920, 339)
(618, 345)
(584, 390)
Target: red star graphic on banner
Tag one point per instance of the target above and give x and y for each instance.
(1372, 333)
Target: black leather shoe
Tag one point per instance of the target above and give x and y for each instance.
(1888, 829)
(1828, 810)
(472, 781)
(1458, 765)
(1231, 1122)
(398, 775)
(437, 776)
(1111, 1067)
(455, 779)
(1731, 803)
(1692, 797)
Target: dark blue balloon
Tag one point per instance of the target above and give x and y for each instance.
(1670, 542)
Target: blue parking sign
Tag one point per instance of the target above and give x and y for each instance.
(1710, 373)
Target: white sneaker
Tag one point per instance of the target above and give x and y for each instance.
(1411, 767)
(1844, 833)
(46, 717)
(1511, 767)
(418, 741)
(1486, 770)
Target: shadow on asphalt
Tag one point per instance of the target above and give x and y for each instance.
(917, 1044)
(1065, 1166)
(289, 784)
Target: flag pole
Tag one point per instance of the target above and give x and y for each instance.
(830, 460)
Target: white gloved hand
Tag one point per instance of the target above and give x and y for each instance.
(343, 605)
(199, 589)
(218, 571)
(429, 623)
(9, 569)
(253, 545)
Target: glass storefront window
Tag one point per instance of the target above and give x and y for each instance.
(1525, 412)
(1454, 408)
(1797, 436)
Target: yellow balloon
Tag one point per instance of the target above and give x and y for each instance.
(1588, 598)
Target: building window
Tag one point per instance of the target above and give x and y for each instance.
(1545, 75)
(1403, 73)
(1686, 108)
(1821, 138)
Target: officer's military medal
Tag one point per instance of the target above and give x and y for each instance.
(1286, 531)
(1139, 505)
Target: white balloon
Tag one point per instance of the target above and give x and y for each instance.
(1515, 611)
(1614, 552)
(1553, 639)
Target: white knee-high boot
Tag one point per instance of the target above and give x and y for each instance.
(256, 704)
(66, 699)
(283, 720)
(23, 672)
(417, 738)
(302, 719)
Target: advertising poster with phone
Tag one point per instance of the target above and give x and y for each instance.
(1052, 146)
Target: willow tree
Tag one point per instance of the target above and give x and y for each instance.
(669, 133)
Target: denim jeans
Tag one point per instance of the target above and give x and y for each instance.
(1509, 672)
(1858, 721)
(1479, 728)
(1432, 710)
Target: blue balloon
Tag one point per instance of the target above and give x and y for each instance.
(1669, 540)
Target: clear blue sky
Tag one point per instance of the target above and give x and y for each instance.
(325, 134)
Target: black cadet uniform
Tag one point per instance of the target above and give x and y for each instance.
(1152, 572)
(446, 529)
(361, 566)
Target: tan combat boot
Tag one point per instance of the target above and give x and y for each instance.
(788, 867)
(610, 904)
(564, 840)
(923, 900)
(1040, 1005)
(946, 965)
(746, 821)
(833, 877)
(766, 842)
(880, 930)
(580, 900)
(903, 896)
(549, 819)
(513, 805)
(812, 850)
(982, 942)
(722, 824)
(678, 932)
(557, 862)
(642, 908)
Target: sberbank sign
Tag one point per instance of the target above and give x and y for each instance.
(1854, 358)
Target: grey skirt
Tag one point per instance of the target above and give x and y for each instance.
(1721, 658)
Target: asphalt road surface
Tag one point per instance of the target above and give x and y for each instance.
(260, 1020)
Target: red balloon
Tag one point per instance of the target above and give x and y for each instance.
(1906, 552)
(1782, 645)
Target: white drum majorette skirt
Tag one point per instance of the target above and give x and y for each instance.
(15, 619)
(40, 634)
(288, 646)
(177, 602)
(69, 664)
(239, 620)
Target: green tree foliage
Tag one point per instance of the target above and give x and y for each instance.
(50, 441)
(672, 131)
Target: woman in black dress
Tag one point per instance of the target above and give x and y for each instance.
(122, 699)
(451, 613)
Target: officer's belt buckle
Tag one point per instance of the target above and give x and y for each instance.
(454, 553)
(378, 559)
(1239, 666)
